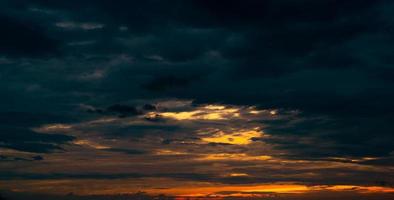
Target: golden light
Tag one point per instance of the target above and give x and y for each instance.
(208, 112)
(238, 174)
(273, 112)
(168, 152)
(90, 144)
(234, 156)
(216, 189)
(53, 127)
(241, 137)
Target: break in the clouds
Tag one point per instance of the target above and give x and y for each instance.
(246, 96)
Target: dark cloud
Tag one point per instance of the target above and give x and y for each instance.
(27, 140)
(126, 151)
(188, 176)
(138, 131)
(11, 175)
(21, 39)
(166, 83)
(333, 137)
(13, 158)
(16, 132)
(38, 157)
(149, 107)
(123, 110)
(28, 119)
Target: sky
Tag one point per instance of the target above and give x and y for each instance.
(198, 98)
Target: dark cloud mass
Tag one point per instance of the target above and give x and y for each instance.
(136, 78)
(18, 39)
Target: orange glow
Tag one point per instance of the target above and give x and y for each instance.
(203, 191)
(238, 174)
(50, 128)
(208, 112)
(255, 112)
(234, 156)
(254, 190)
(177, 188)
(273, 112)
(361, 189)
(90, 144)
(168, 152)
(215, 107)
(241, 137)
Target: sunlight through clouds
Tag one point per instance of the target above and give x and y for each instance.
(238, 137)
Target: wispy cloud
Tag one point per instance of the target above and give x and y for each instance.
(70, 25)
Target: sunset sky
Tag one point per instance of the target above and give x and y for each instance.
(198, 98)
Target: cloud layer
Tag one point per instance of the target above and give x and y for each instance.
(274, 91)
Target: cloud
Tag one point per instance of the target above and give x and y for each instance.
(22, 39)
(30, 141)
(76, 25)
(16, 133)
(165, 83)
(123, 109)
(126, 151)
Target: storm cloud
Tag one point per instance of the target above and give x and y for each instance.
(145, 81)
